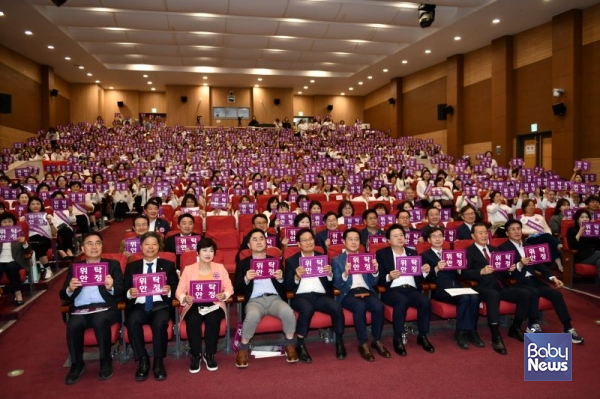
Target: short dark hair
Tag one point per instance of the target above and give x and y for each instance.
(394, 226)
(253, 231)
(136, 217)
(206, 242)
(152, 201)
(580, 212)
(478, 224)
(185, 215)
(305, 230)
(329, 214)
(434, 230)
(301, 216)
(367, 212)
(592, 198)
(466, 208)
(259, 215)
(348, 231)
(510, 222)
(147, 235)
(8, 215)
(91, 234)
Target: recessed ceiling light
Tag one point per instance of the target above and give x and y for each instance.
(153, 89)
(350, 88)
(385, 70)
(204, 77)
(1, 14)
(89, 74)
(68, 58)
(97, 81)
(255, 85)
(110, 87)
(404, 61)
(342, 93)
(145, 76)
(81, 67)
(312, 81)
(149, 82)
(496, 21)
(299, 92)
(50, 47)
(360, 83)
(28, 32)
(369, 77)
(427, 51)
(260, 79)
(305, 87)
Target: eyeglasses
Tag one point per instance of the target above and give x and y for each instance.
(304, 240)
(93, 243)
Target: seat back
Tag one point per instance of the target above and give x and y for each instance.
(463, 244)
(214, 223)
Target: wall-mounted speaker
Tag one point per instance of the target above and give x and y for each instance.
(184, 99)
(559, 108)
(441, 112)
(392, 100)
(54, 93)
(5, 103)
(449, 109)
(277, 101)
(330, 108)
(120, 104)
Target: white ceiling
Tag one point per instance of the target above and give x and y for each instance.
(338, 43)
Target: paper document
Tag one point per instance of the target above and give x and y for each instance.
(267, 351)
(460, 291)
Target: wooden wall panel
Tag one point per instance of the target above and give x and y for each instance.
(25, 94)
(378, 116)
(131, 105)
(62, 110)
(218, 98)
(424, 77)
(380, 95)
(477, 66)
(533, 45)
(476, 148)
(533, 97)
(21, 64)
(440, 137)
(62, 86)
(85, 105)
(590, 106)
(9, 136)
(264, 107)
(477, 103)
(591, 25)
(420, 108)
(198, 104)
(304, 104)
(347, 108)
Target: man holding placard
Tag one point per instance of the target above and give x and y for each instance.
(525, 276)
(372, 227)
(492, 289)
(401, 274)
(260, 279)
(309, 276)
(185, 240)
(93, 289)
(149, 304)
(355, 275)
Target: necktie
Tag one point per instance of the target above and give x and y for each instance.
(148, 304)
(439, 254)
(487, 256)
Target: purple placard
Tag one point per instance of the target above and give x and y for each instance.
(412, 238)
(259, 185)
(582, 165)
(132, 245)
(265, 268)
(36, 219)
(335, 236)
(580, 188)
(162, 189)
(77, 198)
(205, 290)
(304, 205)
(286, 219)
(9, 193)
(188, 243)
(416, 215)
(455, 259)
(291, 234)
(502, 260)
(317, 219)
(90, 273)
(409, 265)
(450, 235)
(568, 213)
(589, 177)
(384, 220)
(10, 233)
(596, 215)
(517, 162)
(445, 214)
(361, 263)
(314, 266)
(349, 221)
(149, 284)
(219, 200)
(591, 229)
(271, 241)
(377, 239)
(194, 211)
(59, 204)
(121, 186)
(537, 253)
(247, 208)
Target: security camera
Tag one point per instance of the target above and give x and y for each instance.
(426, 15)
(558, 92)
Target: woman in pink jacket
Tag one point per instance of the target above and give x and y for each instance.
(210, 313)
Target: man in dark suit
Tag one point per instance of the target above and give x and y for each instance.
(402, 292)
(527, 278)
(372, 227)
(185, 224)
(468, 215)
(467, 306)
(331, 223)
(105, 297)
(433, 220)
(262, 297)
(152, 310)
(151, 209)
(492, 289)
(312, 294)
(358, 296)
(261, 222)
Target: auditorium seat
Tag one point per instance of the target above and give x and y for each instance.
(570, 268)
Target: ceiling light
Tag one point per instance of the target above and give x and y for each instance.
(457, 38)
(496, 21)
(305, 87)
(205, 84)
(89, 74)
(404, 61)
(260, 79)
(385, 70)
(312, 81)
(28, 32)
(426, 15)
(81, 67)
(145, 76)
(110, 87)
(342, 93)
(153, 89)
(360, 83)
(299, 92)
(204, 77)
(97, 81)
(427, 51)
(68, 58)
(369, 77)
(50, 47)
(255, 85)
(1, 14)
(350, 88)
(149, 82)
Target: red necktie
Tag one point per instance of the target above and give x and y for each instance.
(487, 256)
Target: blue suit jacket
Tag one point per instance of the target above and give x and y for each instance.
(338, 266)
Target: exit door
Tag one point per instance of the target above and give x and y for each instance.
(535, 149)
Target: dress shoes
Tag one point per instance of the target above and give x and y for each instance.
(340, 350)
(143, 369)
(291, 356)
(365, 352)
(498, 345)
(241, 360)
(381, 349)
(159, 369)
(399, 347)
(106, 370)
(516, 333)
(460, 339)
(75, 373)
(303, 354)
(474, 337)
(424, 342)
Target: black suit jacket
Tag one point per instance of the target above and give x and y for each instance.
(322, 236)
(170, 246)
(475, 262)
(444, 278)
(138, 267)
(520, 275)
(425, 230)
(162, 226)
(241, 287)
(290, 271)
(386, 262)
(463, 232)
(114, 269)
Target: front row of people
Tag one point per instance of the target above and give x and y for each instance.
(95, 306)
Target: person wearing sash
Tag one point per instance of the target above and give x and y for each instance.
(312, 294)
(64, 221)
(402, 292)
(369, 217)
(81, 210)
(153, 310)
(492, 288)
(93, 306)
(498, 213)
(467, 306)
(359, 297)
(424, 187)
(41, 230)
(262, 297)
(538, 231)
(209, 313)
(526, 277)
(185, 224)
(12, 258)
(468, 215)
(464, 200)
(588, 248)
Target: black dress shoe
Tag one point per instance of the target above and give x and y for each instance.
(460, 339)
(365, 352)
(303, 355)
(106, 370)
(75, 373)
(340, 349)
(474, 337)
(159, 369)
(498, 346)
(516, 333)
(381, 349)
(424, 342)
(143, 369)
(399, 347)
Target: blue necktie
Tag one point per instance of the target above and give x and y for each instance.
(149, 299)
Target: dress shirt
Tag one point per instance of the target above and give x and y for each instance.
(263, 286)
(310, 284)
(141, 300)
